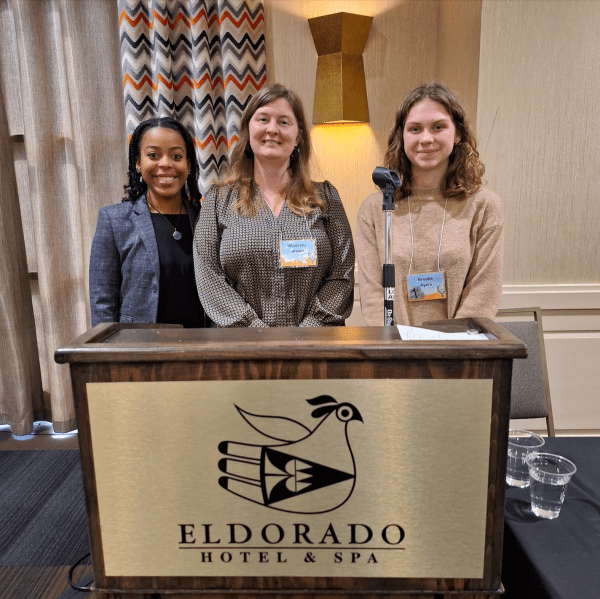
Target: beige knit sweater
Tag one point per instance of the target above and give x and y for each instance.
(471, 255)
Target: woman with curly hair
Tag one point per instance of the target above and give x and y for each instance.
(272, 247)
(447, 228)
(141, 263)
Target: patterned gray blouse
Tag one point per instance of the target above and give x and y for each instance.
(236, 259)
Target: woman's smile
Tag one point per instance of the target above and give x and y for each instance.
(429, 137)
(273, 131)
(163, 164)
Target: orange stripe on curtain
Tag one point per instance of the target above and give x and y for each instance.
(199, 62)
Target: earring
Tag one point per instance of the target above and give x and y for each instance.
(294, 156)
(248, 151)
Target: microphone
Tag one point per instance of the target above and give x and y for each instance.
(383, 177)
(388, 181)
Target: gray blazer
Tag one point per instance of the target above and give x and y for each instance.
(124, 266)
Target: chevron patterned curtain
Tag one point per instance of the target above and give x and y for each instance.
(198, 61)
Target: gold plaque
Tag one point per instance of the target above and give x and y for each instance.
(369, 478)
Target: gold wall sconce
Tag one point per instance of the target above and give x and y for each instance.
(340, 88)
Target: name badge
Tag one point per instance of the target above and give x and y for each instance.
(296, 253)
(426, 286)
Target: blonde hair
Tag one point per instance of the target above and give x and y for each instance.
(300, 196)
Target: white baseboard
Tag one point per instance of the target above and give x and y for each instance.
(582, 296)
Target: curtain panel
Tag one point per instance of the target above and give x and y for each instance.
(75, 80)
(63, 157)
(196, 61)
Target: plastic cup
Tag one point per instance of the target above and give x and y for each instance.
(520, 445)
(549, 476)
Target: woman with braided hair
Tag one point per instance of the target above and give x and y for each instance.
(141, 263)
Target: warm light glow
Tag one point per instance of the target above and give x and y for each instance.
(353, 126)
(317, 8)
(344, 155)
(340, 123)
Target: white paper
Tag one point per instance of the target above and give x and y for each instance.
(417, 333)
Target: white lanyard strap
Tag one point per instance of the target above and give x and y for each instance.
(412, 245)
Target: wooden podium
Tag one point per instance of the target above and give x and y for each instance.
(333, 462)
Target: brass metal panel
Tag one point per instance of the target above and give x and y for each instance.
(354, 89)
(328, 105)
(326, 32)
(340, 32)
(410, 458)
(340, 89)
(355, 32)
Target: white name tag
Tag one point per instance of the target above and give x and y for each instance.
(296, 253)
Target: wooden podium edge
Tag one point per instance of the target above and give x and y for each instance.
(499, 369)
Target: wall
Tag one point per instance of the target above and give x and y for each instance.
(398, 56)
(528, 74)
(538, 122)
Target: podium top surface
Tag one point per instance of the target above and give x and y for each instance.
(118, 342)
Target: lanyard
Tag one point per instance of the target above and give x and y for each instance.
(412, 245)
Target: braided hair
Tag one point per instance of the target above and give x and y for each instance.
(136, 186)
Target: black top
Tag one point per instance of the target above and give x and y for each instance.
(178, 301)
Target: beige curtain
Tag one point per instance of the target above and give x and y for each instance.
(63, 150)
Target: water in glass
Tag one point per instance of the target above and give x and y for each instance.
(549, 475)
(520, 445)
(547, 494)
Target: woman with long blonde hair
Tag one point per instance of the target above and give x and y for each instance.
(274, 248)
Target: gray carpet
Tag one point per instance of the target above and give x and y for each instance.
(42, 508)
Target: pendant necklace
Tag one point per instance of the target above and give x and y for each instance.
(176, 233)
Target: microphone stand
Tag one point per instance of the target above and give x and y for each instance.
(388, 181)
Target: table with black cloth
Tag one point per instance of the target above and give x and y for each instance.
(560, 558)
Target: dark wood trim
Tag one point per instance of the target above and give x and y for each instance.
(112, 342)
(167, 354)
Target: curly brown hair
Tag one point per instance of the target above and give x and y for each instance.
(465, 170)
(301, 197)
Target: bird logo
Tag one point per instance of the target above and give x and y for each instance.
(311, 472)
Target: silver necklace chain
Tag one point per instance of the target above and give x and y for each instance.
(176, 234)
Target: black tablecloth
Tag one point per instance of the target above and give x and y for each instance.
(560, 558)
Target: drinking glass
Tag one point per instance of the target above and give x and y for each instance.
(549, 475)
(520, 445)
